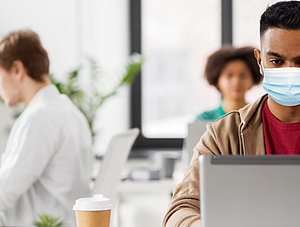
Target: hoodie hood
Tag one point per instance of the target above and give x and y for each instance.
(248, 114)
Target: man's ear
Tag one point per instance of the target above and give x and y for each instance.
(18, 70)
(257, 55)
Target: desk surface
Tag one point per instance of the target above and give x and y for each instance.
(152, 186)
(147, 186)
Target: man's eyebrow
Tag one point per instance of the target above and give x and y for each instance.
(297, 57)
(275, 54)
(280, 56)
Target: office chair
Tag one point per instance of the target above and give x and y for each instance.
(114, 160)
(195, 131)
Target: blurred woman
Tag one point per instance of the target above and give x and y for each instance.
(233, 71)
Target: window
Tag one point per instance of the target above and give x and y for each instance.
(246, 16)
(175, 39)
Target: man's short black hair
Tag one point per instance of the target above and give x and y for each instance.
(285, 15)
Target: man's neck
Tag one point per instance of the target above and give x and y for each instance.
(286, 114)
(31, 88)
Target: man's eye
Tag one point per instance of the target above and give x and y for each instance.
(276, 61)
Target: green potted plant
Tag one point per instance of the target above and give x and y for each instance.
(90, 98)
(48, 221)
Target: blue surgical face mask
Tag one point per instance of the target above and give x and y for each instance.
(283, 85)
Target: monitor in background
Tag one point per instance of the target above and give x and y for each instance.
(195, 131)
(249, 191)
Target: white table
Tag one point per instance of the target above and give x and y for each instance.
(144, 203)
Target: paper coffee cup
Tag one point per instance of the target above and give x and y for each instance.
(93, 211)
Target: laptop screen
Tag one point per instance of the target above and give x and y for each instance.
(249, 191)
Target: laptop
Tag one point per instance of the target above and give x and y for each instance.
(262, 191)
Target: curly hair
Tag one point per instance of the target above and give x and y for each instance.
(218, 60)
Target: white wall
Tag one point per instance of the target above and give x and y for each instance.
(70, 30)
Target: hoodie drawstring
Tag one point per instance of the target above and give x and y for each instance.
(242, 138)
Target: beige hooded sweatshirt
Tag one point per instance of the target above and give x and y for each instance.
(236, 133)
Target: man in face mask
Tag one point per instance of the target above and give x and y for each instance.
(271, 125)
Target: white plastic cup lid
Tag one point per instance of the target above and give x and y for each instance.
(95, 203)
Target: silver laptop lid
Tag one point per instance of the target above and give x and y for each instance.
(250, 191)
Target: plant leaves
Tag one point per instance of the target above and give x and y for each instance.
(48, 221)
(90, 100)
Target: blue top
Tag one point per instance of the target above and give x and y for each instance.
(211, 114)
